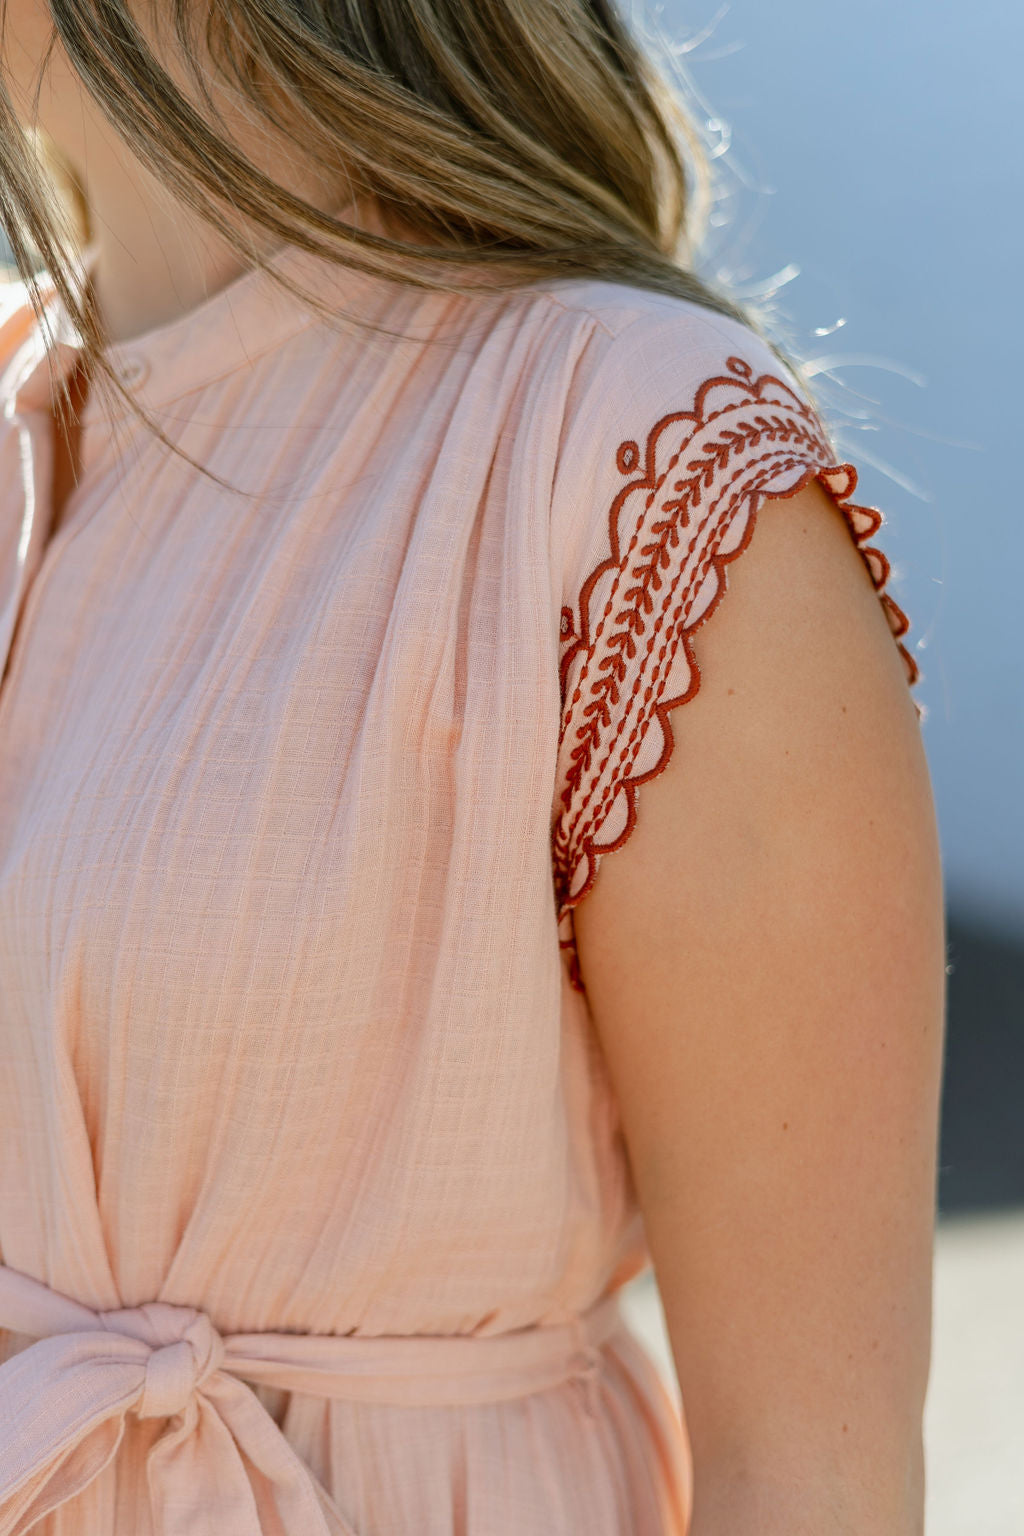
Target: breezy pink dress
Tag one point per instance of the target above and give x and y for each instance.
(314, 1201)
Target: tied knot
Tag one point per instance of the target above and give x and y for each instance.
(185, 1349)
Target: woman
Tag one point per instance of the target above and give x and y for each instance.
(367, 471)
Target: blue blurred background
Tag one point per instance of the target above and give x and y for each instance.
(870, 161)
(871, 175)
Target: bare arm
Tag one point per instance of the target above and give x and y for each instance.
(764, 960)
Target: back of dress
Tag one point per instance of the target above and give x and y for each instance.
(299, 787)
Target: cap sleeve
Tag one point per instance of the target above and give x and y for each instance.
(674, 437)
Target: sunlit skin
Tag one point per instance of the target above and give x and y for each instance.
(765, 963)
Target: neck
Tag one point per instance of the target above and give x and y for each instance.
(153, 260)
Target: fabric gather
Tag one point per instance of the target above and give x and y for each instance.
(65, 1398)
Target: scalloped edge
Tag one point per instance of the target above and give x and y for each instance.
(840, 481)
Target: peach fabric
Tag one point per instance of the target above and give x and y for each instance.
(314, 1203)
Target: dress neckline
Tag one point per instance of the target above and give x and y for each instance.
(247, 317)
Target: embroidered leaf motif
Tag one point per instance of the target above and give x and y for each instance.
(672, 529)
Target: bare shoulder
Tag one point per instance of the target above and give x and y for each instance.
(803, 712)
(764, 961)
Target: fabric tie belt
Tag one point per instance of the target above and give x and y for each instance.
(64, 1399)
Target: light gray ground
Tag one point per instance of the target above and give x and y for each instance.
(974, 1417)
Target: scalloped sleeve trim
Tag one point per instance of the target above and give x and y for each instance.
(687, 507)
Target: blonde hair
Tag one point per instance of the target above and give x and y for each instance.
(516, 140)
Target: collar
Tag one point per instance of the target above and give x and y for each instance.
(246, 318)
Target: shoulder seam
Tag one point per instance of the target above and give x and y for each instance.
(585, 312)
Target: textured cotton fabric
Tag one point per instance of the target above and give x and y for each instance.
(299, 789)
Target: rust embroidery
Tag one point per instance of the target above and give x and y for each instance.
(687, 509)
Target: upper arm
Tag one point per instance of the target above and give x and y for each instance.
(764, 962)
(749, 891)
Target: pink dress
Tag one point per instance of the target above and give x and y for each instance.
(314, 1202)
